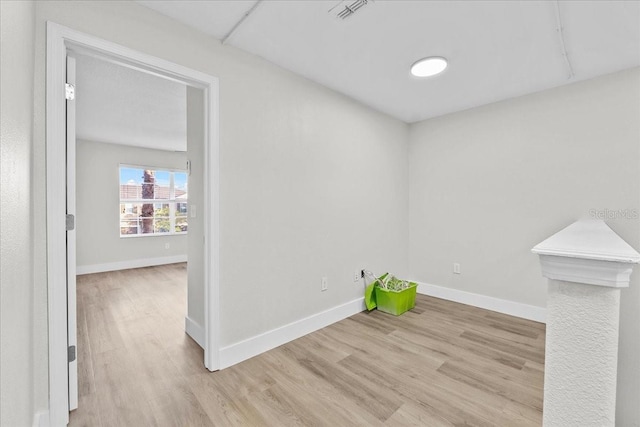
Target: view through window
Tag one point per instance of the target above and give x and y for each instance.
(152, 201)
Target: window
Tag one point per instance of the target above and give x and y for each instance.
(152, 201)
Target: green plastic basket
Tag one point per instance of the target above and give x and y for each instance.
(396, 303)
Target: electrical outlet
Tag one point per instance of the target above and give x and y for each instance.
(324, 284)
(357, 275)
(456, 268)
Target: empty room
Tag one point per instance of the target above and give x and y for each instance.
(394, 213)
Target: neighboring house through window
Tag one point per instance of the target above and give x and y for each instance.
(152, 201)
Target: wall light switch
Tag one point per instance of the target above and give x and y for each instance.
(192, 209)
(456, 268)
(324, 284)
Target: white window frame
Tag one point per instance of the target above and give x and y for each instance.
(171, 201)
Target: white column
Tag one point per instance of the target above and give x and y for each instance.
(586, 264)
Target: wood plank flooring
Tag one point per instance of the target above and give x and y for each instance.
(441, 364)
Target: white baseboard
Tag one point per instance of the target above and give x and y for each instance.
(246, 349)
(125, 265)
(41, 419)
(512, 308)
(194, 330)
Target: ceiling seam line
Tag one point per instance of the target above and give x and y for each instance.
(562, 43)
(237, 25)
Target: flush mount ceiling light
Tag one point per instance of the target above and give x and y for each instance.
(427, 67)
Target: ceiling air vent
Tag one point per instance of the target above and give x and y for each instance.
(350, 8)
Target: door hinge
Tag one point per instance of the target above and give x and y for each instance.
(71, 222)
(71, 353)
(69, 91)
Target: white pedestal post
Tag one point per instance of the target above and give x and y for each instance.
(586, 264)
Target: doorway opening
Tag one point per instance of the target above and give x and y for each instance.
(134, 135)
(62, 41)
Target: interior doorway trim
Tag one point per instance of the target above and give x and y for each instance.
(60, 39)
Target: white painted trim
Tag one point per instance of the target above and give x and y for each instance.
(212, 224)
(512, 308)
(590, 239)
(588, 252)
(611, 274)
(72, 304)
(59, 40)
(41, 419)
(56, 234)
(194, 330)
(131, 263)
(246, 349)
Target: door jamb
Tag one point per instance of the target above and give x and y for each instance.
(59, 39)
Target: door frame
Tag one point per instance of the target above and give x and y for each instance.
(72, 305)
(60, 39)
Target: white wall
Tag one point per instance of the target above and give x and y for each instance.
(312, 183)
(488, 184)
(16, 278)
(98, 201)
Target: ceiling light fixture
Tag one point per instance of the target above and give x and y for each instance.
(427, 67)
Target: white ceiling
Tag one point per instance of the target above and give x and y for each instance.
(120, 105)
(496, 49)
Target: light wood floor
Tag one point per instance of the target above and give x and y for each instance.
(441, 364)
